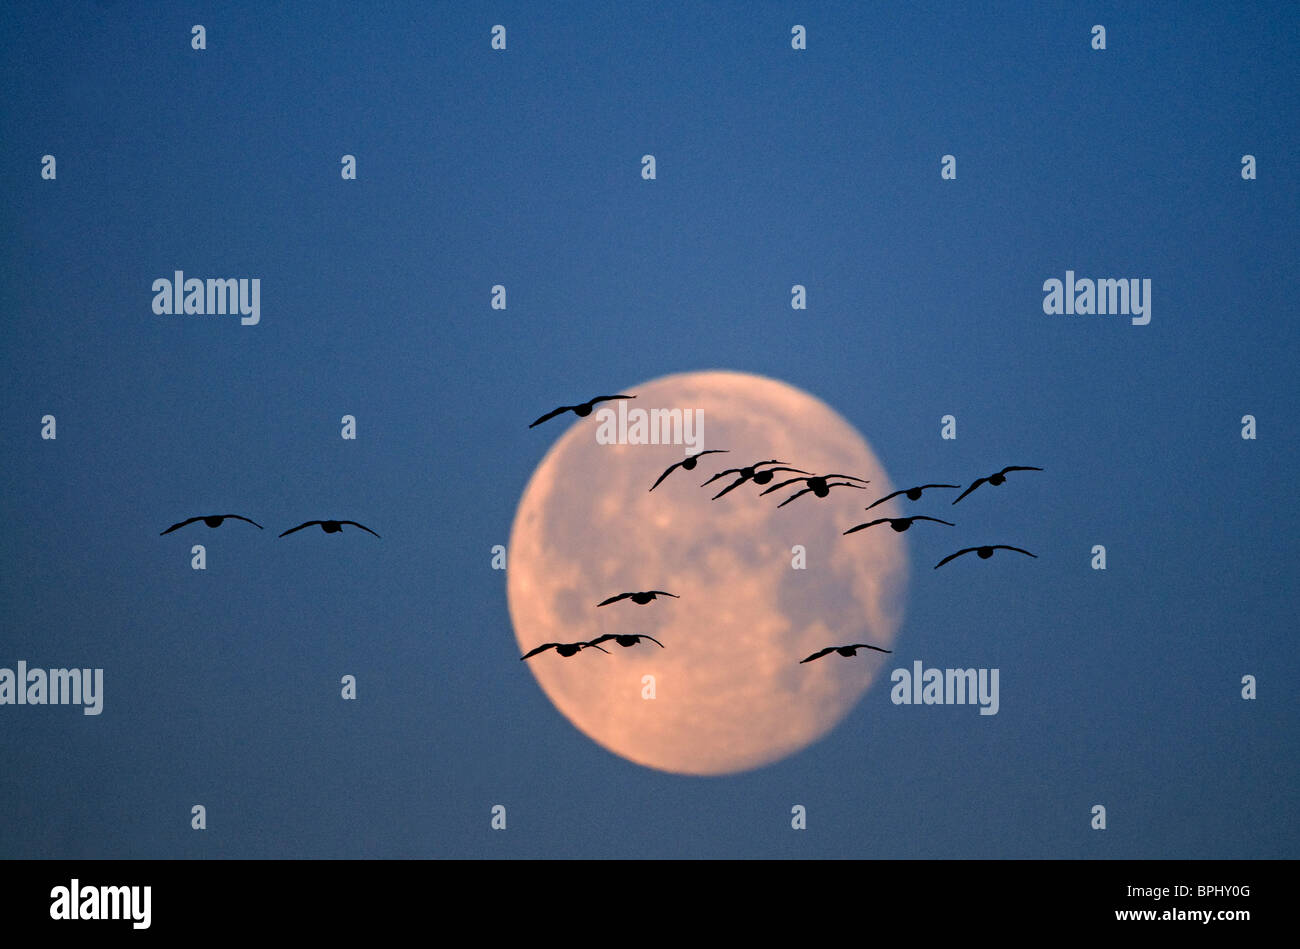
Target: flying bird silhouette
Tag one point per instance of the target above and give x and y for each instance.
(984, 552)
(581, 410)
(688, 464)
(822, 493)
(624, 639)
(913, 494)
(843, 651)
(641, 599)
(820, 485)
(899, 524)
(564, 649)
(995, 479)
(750, 473)
(329, 527)
(767, 474)
(212, 520)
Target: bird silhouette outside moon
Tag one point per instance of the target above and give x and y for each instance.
(582, 409)
(329, 527)
(211, 520)
(913, 494)
(995, 479)
(728, 692)
(984, 553)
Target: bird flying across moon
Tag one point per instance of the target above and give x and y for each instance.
(329, 527)
(984, 553)
(625, 639)
(995, 479)
(212, 520)
(688, 464)
(640, 599)
(582, 410)
(749, 473)
(913, 494)
(843, 651)
(564, 649)
(819, 485)
(899, 524)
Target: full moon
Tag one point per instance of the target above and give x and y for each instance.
(759, 587)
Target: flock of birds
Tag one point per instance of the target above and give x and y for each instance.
(216, 520)
(762, 473)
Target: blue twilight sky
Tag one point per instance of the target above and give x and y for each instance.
(775, 167)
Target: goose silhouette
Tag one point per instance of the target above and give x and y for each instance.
(995, 479)
(688, 464)
(624, 639)
(913, 494)
(984, 552)
(212, 520)
(564, 649)
(329, 527)
(640, 599)
(899, 524)
(582, 409)
(750, 473)
(819, 485)
(843, 651)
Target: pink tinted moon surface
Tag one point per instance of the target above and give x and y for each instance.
(729, 691)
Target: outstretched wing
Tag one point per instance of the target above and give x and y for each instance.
(664, 593)
(731, 487)
(241, 518)
(817, 655)
(879, 520)
(869, 646)
(778, 487)
(793, 496)
(720, 474)
(362, 526)
(595, 643)
(551, 415)
(542, 648)
(667, 472)
(299, 527)
(974, 485)
(614, 599)
(846, 484)
(607, 398)
(1019, 468)
(1005, 547)
(926, 517)
(954, 556)
(886, 498)
(651, 638)
(711, 451)
(849, 477)
(176, 527)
